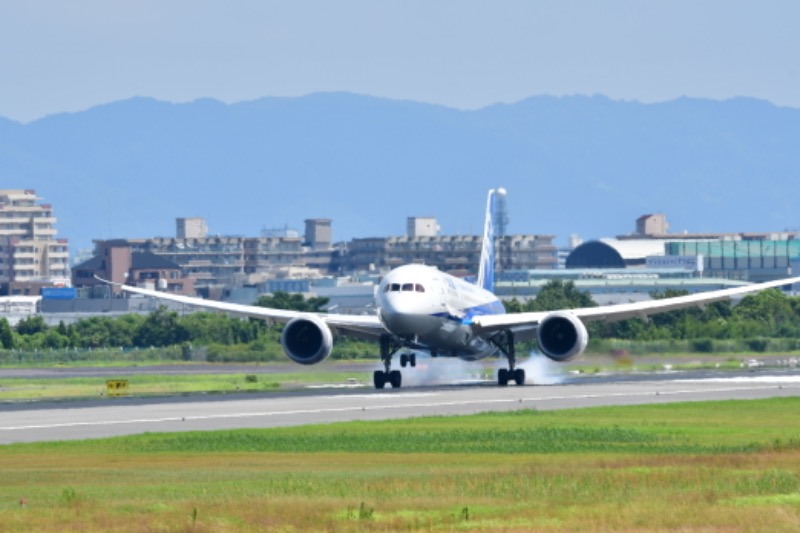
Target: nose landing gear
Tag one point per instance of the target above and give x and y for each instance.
(408, 359)
(389, 345)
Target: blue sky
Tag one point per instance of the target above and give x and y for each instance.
(67, 56)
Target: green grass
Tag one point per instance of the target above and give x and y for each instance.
(26, 389)
(678, 428)
(150, 384)
(597, 363)
(106, 360)
(712, 466)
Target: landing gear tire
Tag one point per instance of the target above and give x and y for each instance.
(502, 377)
(519, 376)
(393, 378)
(396, 379)
(408, 359)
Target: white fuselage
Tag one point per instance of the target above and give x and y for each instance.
(434, 310)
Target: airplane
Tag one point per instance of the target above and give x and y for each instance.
(420, 308)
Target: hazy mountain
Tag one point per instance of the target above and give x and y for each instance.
(586, 165)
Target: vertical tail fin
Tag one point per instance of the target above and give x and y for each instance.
(486, 268)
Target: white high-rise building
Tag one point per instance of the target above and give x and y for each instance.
(30, 253)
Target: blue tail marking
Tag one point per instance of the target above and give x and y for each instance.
(486, 268)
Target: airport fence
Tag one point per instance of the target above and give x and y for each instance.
(18, 357)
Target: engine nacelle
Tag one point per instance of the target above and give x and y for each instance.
(307, 340)
(562, 336)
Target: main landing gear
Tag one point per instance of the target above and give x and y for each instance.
(389, 345)
(393, 378)
(505, 341)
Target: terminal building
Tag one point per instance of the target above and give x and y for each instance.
(631, 267)
(751, 257)
(745, 257)
(609, 286)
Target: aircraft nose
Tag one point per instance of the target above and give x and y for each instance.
(403, 316)
(400, 304)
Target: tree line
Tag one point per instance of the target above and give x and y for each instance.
(769, 314)
(219, 336)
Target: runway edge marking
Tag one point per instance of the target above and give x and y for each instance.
(386, 407)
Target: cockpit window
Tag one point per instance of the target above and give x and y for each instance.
(405, 287)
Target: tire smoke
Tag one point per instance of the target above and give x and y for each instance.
(539, 370)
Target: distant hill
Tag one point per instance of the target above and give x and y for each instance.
(585, 165)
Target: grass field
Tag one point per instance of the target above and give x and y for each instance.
(12, 389)
(712, 466)
(210, 381)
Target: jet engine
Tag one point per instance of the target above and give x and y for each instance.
(307, 340)
(562, 336)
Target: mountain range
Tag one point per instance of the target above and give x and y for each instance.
(582, 165)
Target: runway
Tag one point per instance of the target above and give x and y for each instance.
(127, 416)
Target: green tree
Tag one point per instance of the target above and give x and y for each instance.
(160, 328)
(6, 334)
(208, 328)
(772, 304)
(203, 327)
(767, 313)
(513, 306)
(54, 340)
(31, 325)
(557, 294)
(677, 324)
(292, 301)
(122, 330)
(630, 329)
(95, 332)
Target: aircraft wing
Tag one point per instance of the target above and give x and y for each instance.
(524, 322)
(361, 326)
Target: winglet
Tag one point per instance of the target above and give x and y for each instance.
(486, 269)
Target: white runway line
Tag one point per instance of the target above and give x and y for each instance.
(404, 405)
(745, 379)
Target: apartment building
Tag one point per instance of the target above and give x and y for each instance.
(218, 263)
(31, 257)
(458, 255)
(116, 261)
